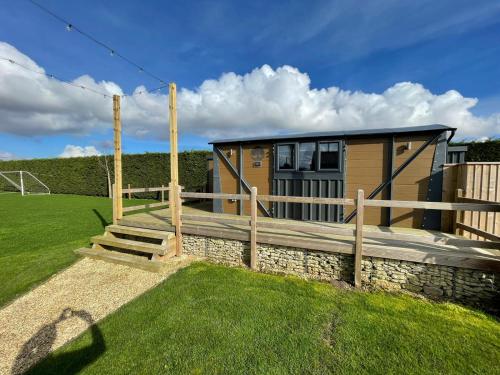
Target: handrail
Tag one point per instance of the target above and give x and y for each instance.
(215, 196)
(468, 204)
(144, 206)
(313, 200)
(144, 190)
(442, 206)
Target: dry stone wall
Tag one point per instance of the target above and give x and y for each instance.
(435, 281)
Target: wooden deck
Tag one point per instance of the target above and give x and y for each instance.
(407, 244)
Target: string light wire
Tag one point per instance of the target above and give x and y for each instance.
(77, 85)
(113, 52)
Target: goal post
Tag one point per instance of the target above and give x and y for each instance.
(23, 181)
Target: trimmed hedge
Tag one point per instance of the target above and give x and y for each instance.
(488, 151)
(87, 175)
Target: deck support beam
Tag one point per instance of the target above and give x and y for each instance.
(117, 191)
(253, 228)
(174, 193)
(358, 253)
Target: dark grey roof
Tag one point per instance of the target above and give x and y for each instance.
(341, 133)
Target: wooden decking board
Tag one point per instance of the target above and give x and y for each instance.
(437, 247)
(122, 258)
(129, 245)
(140, 232)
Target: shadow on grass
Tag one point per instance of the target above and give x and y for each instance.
(104, 222)
(39, 346)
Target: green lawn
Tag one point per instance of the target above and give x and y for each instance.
(39, 233)
(209, 319)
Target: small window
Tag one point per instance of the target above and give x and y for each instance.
(286, 157)
(307, 156)
(329, 155)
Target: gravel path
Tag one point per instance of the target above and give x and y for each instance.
(66, 305)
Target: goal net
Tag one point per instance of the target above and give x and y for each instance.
(21, 181)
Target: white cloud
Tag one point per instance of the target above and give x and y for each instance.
(4, 155)
(72, 151)
(263, 101)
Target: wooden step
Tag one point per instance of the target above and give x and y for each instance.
(140, 232)
(122, 258)
(121, 243)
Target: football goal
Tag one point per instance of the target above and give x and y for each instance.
(22, 181)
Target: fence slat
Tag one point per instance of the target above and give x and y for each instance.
(144, 206)
(145, 190)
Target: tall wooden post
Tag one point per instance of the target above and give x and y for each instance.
(178, 222)
(118, 191)
(253, 228)
(175, 200)
(358, 254)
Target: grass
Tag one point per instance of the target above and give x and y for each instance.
(39, 233)
(212, 319)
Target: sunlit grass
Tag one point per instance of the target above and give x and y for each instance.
(209, 319)
(39, 233)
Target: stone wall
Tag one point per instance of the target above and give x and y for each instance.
(435, 281)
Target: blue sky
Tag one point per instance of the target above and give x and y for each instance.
(354, 46)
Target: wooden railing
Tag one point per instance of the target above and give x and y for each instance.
(357, 232)
(129, 191)
(480, 228)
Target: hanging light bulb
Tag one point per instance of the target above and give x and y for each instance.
(69, 27)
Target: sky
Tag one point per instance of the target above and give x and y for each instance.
(243, 68)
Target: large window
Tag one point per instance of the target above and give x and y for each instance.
(286, 157)
(329, 155)
(307, 156)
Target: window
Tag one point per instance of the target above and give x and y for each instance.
(286, 157)
(329, 155)
(307, 156)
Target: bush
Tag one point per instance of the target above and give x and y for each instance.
(87, 175)
(488, 151)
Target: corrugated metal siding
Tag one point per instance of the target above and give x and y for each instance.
(332, 188)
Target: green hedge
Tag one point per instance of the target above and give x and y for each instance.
(488, 151)
(87, 175)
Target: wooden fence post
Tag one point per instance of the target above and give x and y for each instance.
(117, 159)
(178, 221)
(358, 255)
(253, 228)
(162, 193)
(172, 202)
(115, 221)
(129, 193)
(458, 217)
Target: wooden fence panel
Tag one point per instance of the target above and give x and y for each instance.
(478, 181)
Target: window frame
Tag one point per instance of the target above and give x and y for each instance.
(339, 167)
(314, 159)
(294, 153)
(317, 158)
